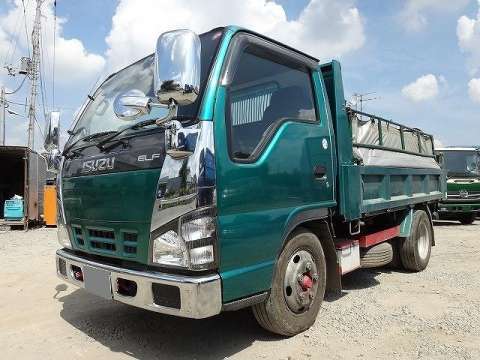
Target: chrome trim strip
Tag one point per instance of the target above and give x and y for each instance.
(200, 296)
(189, 183)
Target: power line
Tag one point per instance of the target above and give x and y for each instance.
(39, 127)
(69, 108)
(13, 43)
(18, 88)
(42, 76)
(25, 22)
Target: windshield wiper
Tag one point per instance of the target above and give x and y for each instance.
(136, 126)
(187, 120)
(86, 139)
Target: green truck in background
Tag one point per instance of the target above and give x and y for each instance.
(463, 184)
(225, 171)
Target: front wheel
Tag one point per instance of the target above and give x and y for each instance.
(467, 219)
(415, 249)
(298, 287)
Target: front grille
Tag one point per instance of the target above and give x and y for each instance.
(78, 235)
(102, 240)
(129, 243)
(107, 241)
(101, 245)
(464, 194)
(103, 234)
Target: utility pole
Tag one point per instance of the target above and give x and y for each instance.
(3, 104)
(34, 74)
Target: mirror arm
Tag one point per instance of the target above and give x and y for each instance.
(172, 110)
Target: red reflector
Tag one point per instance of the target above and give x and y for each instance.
(78, 275)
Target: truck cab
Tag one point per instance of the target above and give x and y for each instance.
(225, 171)
(463, 184)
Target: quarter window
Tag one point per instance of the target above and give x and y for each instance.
(264, 93)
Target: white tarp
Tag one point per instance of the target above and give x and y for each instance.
(366, 132)
(377, 157)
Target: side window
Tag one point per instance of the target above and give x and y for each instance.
(264, 93)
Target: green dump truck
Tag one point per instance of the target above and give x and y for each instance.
(225, 171)
(463, 184)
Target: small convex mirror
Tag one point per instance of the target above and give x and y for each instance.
(177, 67)
(130, 104)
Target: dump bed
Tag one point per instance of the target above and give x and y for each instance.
(382, 165)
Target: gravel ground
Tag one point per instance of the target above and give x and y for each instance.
(382, 314)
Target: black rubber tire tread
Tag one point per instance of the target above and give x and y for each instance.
(273, 314)
(408, 247)
(467, 219)
(377, 255)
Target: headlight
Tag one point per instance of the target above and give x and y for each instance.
(63, 236)
(169, 249)
(193, 246)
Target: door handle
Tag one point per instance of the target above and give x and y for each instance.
(320, 172)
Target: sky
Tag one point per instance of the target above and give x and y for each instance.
(419, 58)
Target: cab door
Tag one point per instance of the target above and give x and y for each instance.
(274, 157)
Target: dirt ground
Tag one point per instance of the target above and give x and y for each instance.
(382, 314)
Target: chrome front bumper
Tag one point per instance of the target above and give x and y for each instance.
(200, 297)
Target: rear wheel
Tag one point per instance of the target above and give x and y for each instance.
(298, 287)
(467, 219)
(415, 249)
(377, 255)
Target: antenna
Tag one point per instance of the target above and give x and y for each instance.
(361, 98)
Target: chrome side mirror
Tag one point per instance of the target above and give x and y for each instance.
(53, 159)
(131, 104)
(51, 142)
(179, 142)
(177, 67)
(52, 132)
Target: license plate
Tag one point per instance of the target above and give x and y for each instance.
(97, 282)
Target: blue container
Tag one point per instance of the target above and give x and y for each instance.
(13, 209)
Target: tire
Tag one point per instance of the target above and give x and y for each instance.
(467, 219)
(415, 250)
(282, 313)
(377, 255)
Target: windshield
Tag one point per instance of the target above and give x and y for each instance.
(462, 162)
(99, 116)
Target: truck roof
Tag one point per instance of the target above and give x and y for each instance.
(237, 28)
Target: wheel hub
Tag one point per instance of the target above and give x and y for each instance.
(301, 281)
(307, 282)
(423, 241)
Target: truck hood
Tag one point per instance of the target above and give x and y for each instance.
(117, 186)
(116, 197)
